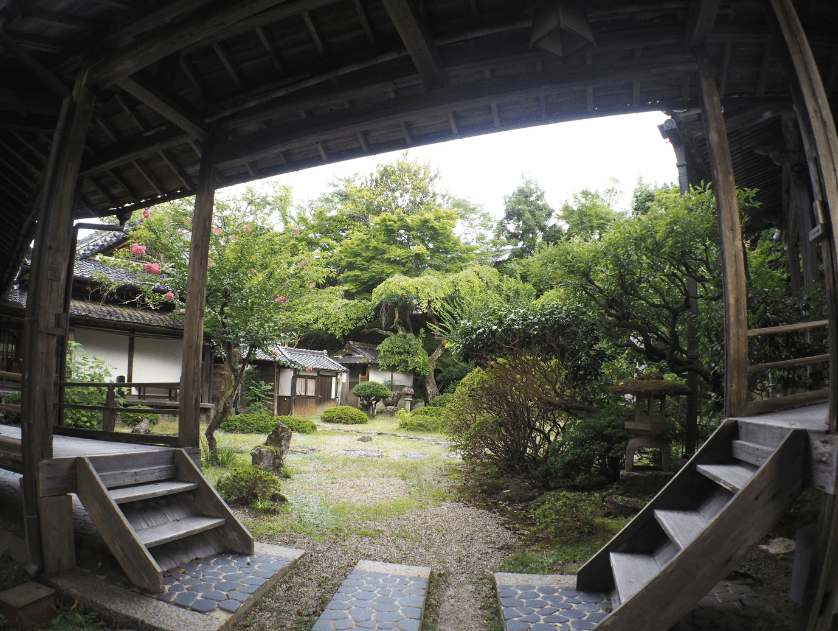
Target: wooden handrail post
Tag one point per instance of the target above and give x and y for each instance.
(193, 322)
(108, 415)
(733, 258)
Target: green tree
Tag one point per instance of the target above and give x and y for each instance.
(476, 227)
(259, 280)
(526, 217)
(589, 215)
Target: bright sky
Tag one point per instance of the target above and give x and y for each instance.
(563, 158)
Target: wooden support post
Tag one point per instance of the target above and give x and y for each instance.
(193, 321)
(733, 259)
(108, 416)
(44, 323)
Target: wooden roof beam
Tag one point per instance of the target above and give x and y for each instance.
(701, 22)
(318, 41)
(365, 24)
(228, 65)
(124, 155)
(275, 60)
(33, 65)
(148, 176)
(417, 40)
(29, 102)
(165, 40)
(168, 105)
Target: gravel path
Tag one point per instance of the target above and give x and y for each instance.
(462, 545)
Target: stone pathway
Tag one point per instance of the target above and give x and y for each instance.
(378, 596)
(532, 602)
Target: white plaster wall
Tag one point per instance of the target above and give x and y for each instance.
(157, 359)
(110, 348)
(285, 375)
(399, 378)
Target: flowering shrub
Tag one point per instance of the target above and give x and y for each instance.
(282, 301)
(170, 296)
(138, 249)
(146, 214)
(151, 268)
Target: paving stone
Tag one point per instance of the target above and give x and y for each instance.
(204, 605)
(229, 605)
(249, 589)
(240, 596)
(215, 595)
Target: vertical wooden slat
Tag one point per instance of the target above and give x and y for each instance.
(193, 321)
(46, 300)
(733, 260)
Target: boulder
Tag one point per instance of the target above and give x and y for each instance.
(141, 428)
(365, 439)
(271, 455)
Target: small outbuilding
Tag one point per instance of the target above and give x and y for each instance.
(361, 361)
(305, 382)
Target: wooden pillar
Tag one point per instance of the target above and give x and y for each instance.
(45, 324)
(733, 258)
(193, 321)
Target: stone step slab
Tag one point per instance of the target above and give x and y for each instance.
(378, 596)
(548, 602)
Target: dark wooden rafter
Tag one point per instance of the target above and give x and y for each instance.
(274, 56)
(417, 40)
(322, 150)
(178, 35)
(763, 69)
(33, 65)
(29, 102)
(406, 133)
(176, 169)
(726, 51)
(701, 22)
(196, 81)
(140, 22)
(315, 36)
(362, 141)
(365, 24)
(168, 105)
(102, 191)
(147, 176)
(232, 71)
(62, 20)
(452, 119)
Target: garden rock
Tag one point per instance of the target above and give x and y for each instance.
(141, 428)
(364, 453)
(365, 439)
(390, 410)
(271, 455)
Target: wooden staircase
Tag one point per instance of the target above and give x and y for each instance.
(155, 510)
(699, 526)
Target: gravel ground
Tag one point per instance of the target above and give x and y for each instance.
(462, 545)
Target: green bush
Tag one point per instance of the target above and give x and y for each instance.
(428, 411)
(566, 516)
(596, 444)
(370, 393)
(82, 367)
(413, 422)
(248, 484)
(441, 400)
(132, 419)
(344, 414)
(256, 394)
(296, 424)
(249, 424)
(12, 418)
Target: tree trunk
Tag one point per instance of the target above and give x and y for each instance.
(236, 365)
(431, 389)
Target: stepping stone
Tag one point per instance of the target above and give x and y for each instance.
(378, 596)
(542, 602)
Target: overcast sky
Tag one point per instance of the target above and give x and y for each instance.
(563, 158)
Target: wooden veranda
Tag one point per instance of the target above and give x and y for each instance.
(108, 106)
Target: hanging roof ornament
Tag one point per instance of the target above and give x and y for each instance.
(561, 27)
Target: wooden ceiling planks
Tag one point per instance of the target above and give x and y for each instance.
(288, 84)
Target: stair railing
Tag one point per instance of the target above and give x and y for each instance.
(791, 400)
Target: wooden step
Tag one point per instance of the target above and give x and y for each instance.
(731, 476)
(632, 572)
(751, 452)
(129, 477)
(172, 531)
(682, 526)
(762, 434)
(146, 491)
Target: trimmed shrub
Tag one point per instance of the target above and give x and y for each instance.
(565, 516)
(413, 422)
(132, 419)
(12, 418)
(441, 400)
(428, 411)
(296, 424)
(247, 484)
(249, 424)
(370, 393)
(596, 444)
(344, 414)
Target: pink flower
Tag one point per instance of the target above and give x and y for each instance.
(309, 368)
(296, 231)
(246, 229)
(281, 300)
(170, 296)
(138, 249)
(216, 230)
(152, 268)
(146, 214)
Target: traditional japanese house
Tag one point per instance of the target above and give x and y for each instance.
(361, 360)
(109, 106)
(305, 382)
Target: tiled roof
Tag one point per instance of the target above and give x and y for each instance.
(302, 358)
(357, 353)
(111, 312)
(102, 241)
(89, 269)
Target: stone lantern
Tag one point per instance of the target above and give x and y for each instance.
(649, 425)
